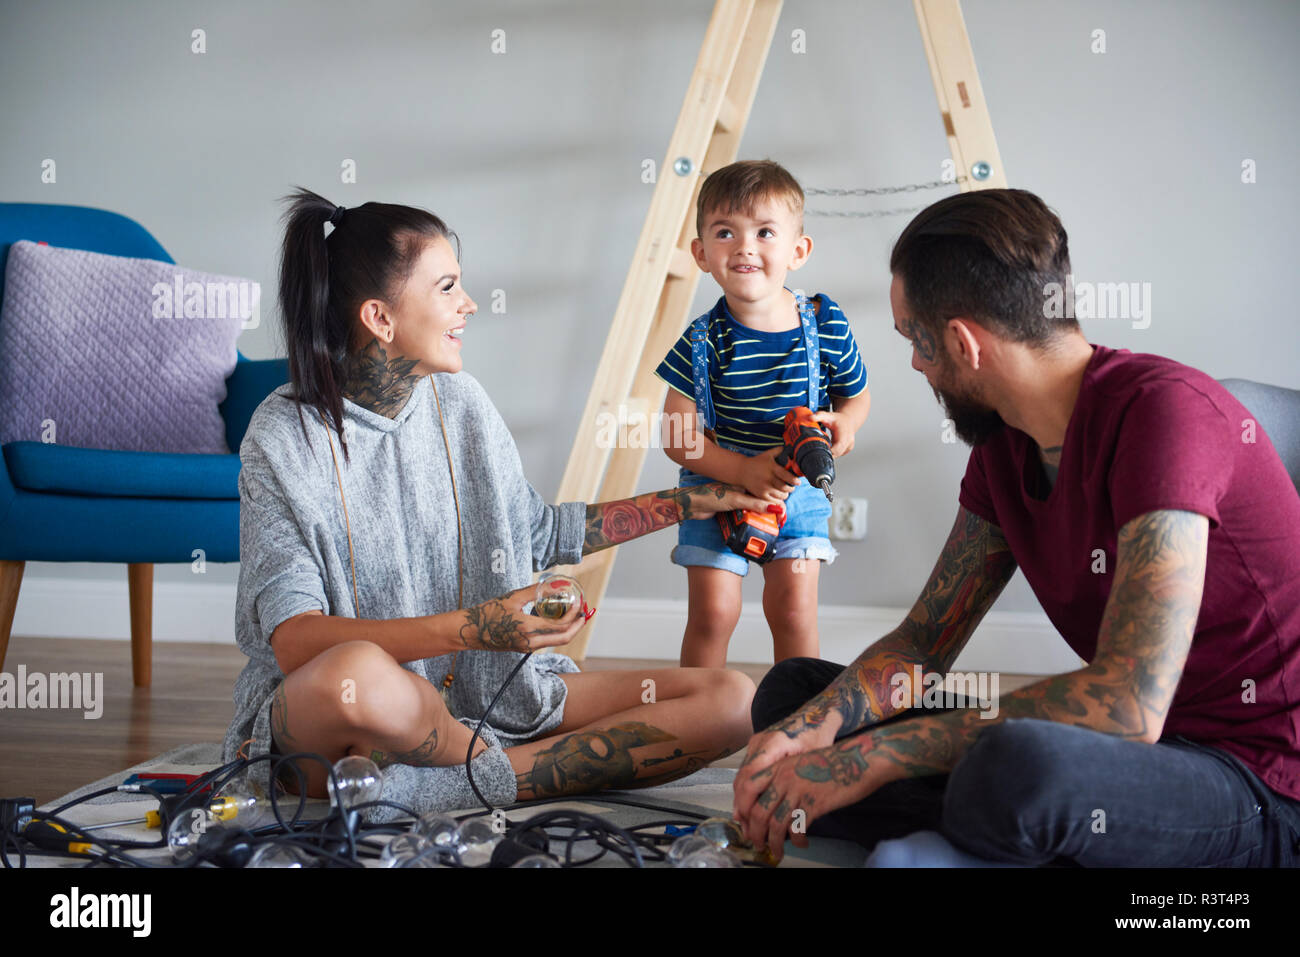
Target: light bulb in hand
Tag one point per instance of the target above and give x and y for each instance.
(556, 595)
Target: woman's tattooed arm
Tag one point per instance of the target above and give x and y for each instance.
(612, 523)
(492, 626)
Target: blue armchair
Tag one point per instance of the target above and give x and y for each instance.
(64, 504)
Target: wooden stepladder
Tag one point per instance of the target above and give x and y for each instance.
(961, 97)
(660, 286)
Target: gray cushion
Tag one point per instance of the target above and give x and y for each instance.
(96, 351)
(1278, 411)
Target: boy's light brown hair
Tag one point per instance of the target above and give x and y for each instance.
(742, 184)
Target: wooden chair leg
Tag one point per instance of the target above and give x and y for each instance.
(140, 581)
(11, 579)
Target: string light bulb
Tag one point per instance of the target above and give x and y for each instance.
(438, 828)
(235, 804)
(476, 839)
(721, 832)
(709, 857)
(409, 850)
(556, 595)
(277, 856)
(184, 832)
(359, 782)
(685, 845)
(725, 835)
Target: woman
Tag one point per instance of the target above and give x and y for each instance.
(381, 591)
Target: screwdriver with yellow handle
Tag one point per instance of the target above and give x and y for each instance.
(53, 837)
(221, 809)
(151, 819)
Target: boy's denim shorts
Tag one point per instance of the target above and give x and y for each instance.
(804, 535)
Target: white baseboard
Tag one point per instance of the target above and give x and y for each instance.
(94, 608)
(1012, 642)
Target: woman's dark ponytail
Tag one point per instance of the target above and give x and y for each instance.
(314, 349)
(369, 254)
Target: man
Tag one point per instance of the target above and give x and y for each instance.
(1159, 530)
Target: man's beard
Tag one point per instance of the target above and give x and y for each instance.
(974, 422)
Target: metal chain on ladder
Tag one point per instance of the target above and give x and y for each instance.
(874, 191)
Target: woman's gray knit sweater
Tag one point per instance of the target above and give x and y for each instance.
(293, 545)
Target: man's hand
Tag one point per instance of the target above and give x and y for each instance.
(972, 569)
(798, 789)
(766, 749)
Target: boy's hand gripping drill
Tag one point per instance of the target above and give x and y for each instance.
(807, 452)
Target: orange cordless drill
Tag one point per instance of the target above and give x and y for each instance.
(806, 452)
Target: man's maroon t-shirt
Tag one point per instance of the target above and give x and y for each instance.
(1149, 433)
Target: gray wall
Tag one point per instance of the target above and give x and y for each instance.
(535, 156)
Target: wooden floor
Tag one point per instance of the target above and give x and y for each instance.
(47, 753)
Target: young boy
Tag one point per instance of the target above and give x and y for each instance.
(766, 352)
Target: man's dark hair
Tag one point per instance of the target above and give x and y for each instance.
(988, 254)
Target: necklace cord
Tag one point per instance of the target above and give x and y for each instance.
(460, 549)
(460, 586)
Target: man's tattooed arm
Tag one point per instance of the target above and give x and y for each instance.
(612, 523)
(972, 570)
(1145, 636)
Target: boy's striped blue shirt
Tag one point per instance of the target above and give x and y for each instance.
(757, 377)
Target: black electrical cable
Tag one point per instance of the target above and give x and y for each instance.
(5, 839)
(306, 845)
(229, 772)
(584, 823)
(86, 797)
(308, 836)
(600, 797)
(652, 842)
(566, 827)
(171, 806)
(301, 795)
(469, 755)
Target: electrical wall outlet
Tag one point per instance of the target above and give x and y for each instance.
(849, 518)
